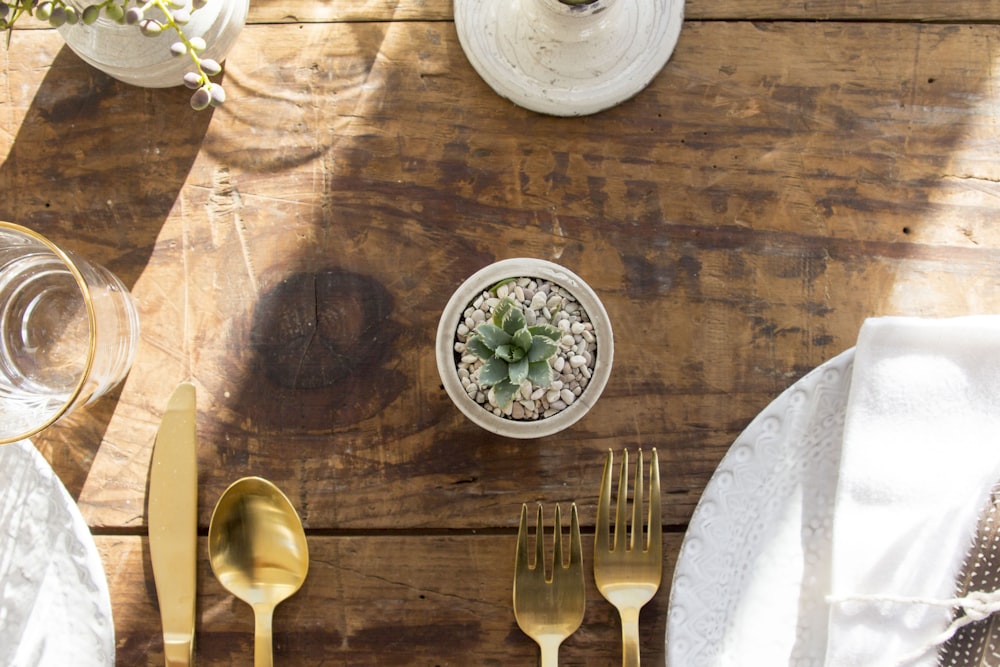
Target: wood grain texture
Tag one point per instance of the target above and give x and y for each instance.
(290, 11)
(382, 600)
(740, 218)
(779, 182)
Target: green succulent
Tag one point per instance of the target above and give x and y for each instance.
(513, 352)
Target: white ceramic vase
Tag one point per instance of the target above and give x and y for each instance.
(568, 60)
(124, 53)
(453, 315)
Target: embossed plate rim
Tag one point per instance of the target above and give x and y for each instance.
(703, 630)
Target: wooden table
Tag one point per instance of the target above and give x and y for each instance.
(795, 168)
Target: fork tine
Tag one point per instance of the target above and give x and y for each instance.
(603, 526)
(557, 550)
(521, 556)
(655, 502)
(621, 507)
(637, 540)
(575, 550)
(539, 542)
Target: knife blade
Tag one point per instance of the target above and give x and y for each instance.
(173, 524)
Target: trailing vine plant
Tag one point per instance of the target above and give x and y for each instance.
(172, 15)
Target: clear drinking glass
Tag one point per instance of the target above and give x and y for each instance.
(68, 332)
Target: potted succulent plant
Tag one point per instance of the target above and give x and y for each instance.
(524, 348)
(150, 43)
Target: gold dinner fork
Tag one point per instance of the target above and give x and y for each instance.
(549, 608)
(627, 573)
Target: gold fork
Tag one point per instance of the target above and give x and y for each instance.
(549, 608)
(627, 573)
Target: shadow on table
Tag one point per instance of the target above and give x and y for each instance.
(96, 166)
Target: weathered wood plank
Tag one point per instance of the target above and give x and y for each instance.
(286, 11)
(381, 600)
(741, 217)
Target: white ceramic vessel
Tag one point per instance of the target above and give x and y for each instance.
(480, 282)
(568, 60)
(121, 51)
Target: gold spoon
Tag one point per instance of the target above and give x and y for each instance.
(258, 551)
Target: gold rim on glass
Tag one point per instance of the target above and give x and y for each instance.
(88, 301)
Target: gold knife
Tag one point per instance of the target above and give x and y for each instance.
(173, 524)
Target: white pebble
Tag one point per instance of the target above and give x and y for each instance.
(587, 336)
(537, 394)
(577, 361)
(567, 341)
(567, 396)
(554, 302)
(538, 301)
(503, 291)
(558, 364)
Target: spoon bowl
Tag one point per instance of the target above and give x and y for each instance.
(258, 552)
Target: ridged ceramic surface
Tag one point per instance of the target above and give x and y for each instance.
(750, 582)
(124, 53)
(568, 61)
(54, 603)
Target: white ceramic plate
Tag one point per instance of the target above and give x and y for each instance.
(55, 609)
(750, 581)
(554, 59)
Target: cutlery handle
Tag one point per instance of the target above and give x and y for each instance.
(630, 637)
(262, 644)
(550, 651)
(177, 653)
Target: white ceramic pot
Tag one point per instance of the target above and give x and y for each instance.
(121, 51)
(453, 315)
(568, 60)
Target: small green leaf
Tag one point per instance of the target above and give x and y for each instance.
(500, 311)
(505, 281)
(492, 371)
(541, 349)
(513, 321)
(540, 373)
(505, 392)
(493, 336)
(546, 330)
(522, 339)
(477, 346)
(517, 372)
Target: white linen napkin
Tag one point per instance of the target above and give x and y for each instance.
(921, 453)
